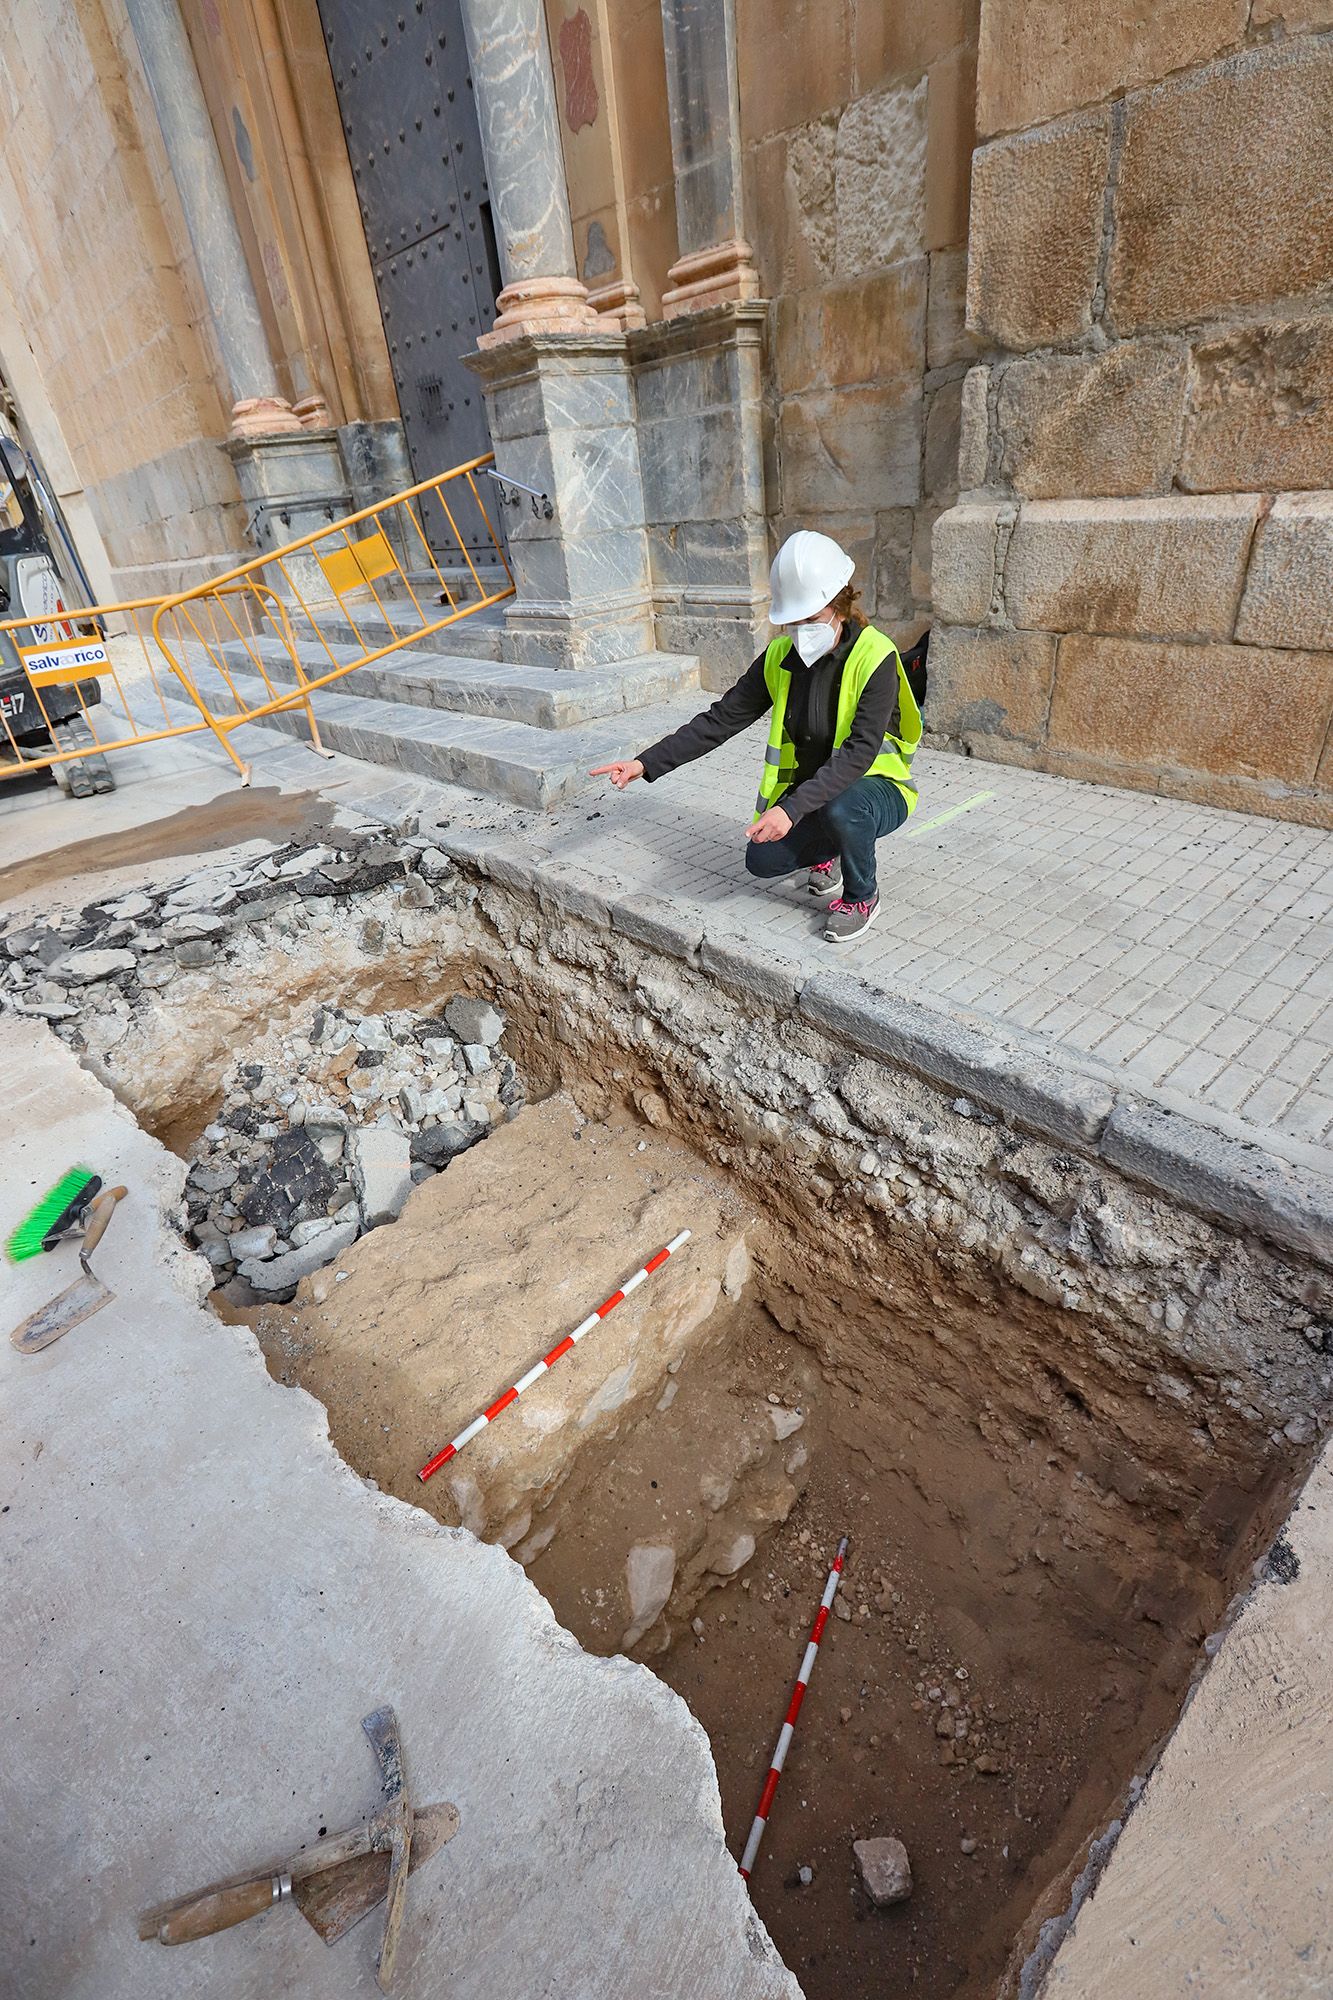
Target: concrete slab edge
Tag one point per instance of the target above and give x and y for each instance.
(1223, 1175)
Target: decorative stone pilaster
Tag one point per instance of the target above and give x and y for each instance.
(562, 420)
(699, 395)
(196, 170)
(716, 264)
(525, 171)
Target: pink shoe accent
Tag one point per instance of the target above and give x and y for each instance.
(823, 867)
(841, 903)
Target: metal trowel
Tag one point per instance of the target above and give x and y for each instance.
(84, 1297)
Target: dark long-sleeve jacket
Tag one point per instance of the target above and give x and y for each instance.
(812, 709)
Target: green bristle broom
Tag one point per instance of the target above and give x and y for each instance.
(55, 1214)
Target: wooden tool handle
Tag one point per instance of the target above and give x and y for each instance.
(218, 1909)
(100, 1211)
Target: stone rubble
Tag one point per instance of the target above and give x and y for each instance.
(326, 1137)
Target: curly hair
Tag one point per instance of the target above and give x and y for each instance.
(847, 603)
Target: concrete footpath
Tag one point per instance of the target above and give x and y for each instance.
(202, 1601)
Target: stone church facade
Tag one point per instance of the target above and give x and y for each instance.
(1028, 304)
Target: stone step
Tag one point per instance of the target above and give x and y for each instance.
(368, 625)
(538, 768)
(541, 697)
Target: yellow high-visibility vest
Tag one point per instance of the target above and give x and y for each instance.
(894, 761)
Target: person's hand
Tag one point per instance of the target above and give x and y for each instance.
(621, 774)
(771, 825)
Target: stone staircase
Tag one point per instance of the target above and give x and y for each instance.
(521, 733)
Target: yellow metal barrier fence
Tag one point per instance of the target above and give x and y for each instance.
(259, 639)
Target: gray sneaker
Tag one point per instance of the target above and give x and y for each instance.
(846, 921)
(825, 878)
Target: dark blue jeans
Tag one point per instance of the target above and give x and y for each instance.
(848, 826)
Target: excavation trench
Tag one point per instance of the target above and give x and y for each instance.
(1058, 1419)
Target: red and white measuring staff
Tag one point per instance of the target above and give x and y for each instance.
(539, 1368)
(788, 1728)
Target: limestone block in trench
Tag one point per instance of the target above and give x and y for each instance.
(236, 1600)
(490, 1265)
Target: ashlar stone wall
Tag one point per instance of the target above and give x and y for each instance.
(107, 293)
(857, 126)
(1137, 582)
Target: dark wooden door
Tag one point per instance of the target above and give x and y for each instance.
(405, 95)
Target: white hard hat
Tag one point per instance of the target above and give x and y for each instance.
(808, 572)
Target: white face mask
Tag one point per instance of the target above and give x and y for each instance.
(814, 639)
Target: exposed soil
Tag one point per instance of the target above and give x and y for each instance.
(992, 1677)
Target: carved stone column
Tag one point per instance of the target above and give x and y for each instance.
(525, 171)
(716, 264)
(258, 409)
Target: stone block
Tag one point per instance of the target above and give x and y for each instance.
(974, 429)
(943, 437)
(1037, 60)
(885, 1871)
(1231, 710)
(966, 549)
(986, 684)
(1170, 568)
(893, 42)
(1259, 410)
(382, 1166)
(889, 591)
(847, 449)
(1293, 14)
(866, 330)
(698, 467)
(1227, 1178)
(725, 553)
(1035, 236)
(597, 481)
(947, 336)
(671, 926)
(752, 969)
(880, 179)
(950, 135)
(1106, 424)
(279, 1274)
(776, 93)
(1288, 597)
(475, 1021)
(1205, 217)
(1008, 1072)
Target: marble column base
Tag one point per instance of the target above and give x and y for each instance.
(540, 305)
(562, 420)
(292, 485)
(263, 416)
(699, 394)
(720, 275)
(618, 305)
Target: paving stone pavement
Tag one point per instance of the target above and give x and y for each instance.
(1187, 950)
